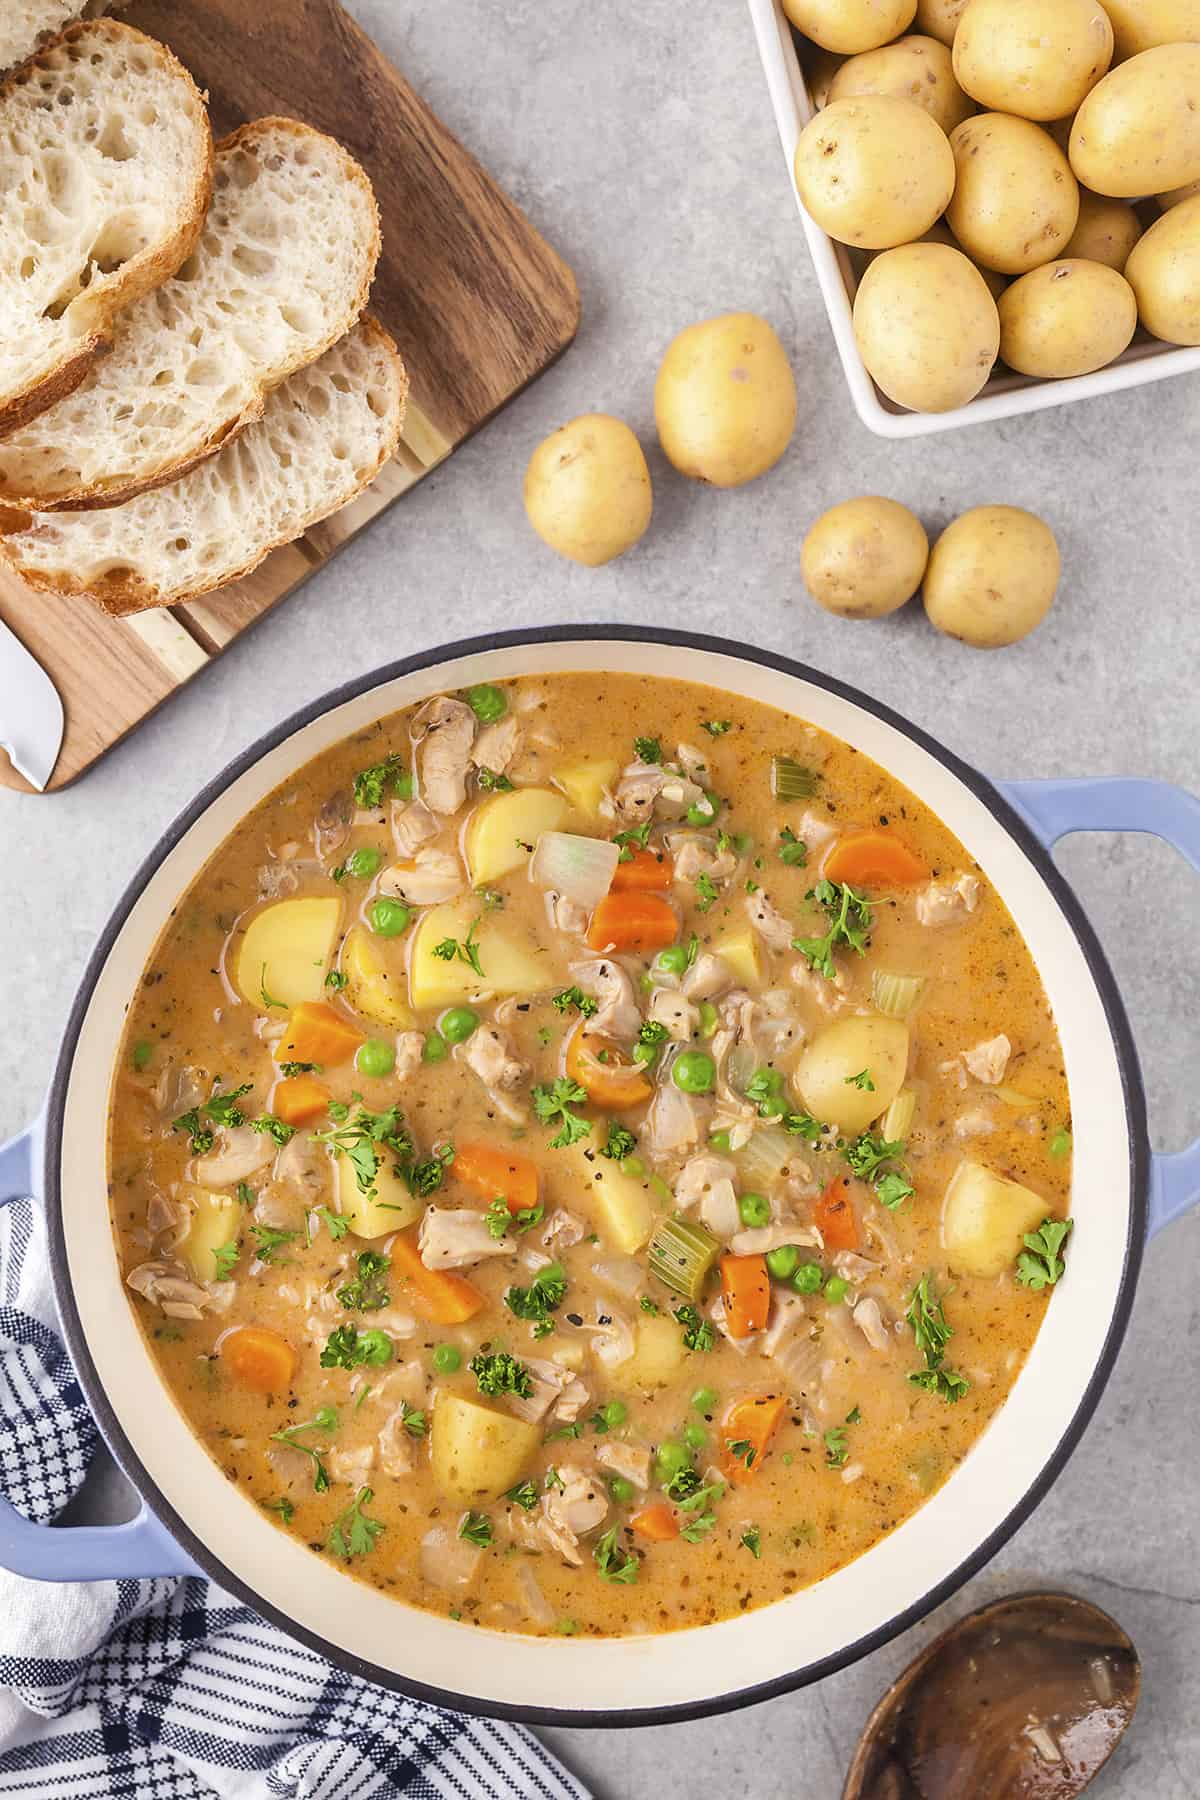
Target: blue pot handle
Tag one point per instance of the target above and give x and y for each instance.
(1054, 809)
(140, 1547)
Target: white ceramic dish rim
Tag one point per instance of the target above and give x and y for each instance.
(1005, 396)
(803, 1636)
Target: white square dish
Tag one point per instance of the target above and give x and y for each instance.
(1005, 394)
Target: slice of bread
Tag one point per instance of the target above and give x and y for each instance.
(281, 272)
(105, 175)
(324, 434)
(25, 25)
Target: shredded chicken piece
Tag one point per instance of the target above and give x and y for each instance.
(178, 1090)
(870, 1321)
(716, 1313)
(673, 1124)
(815, 832)
(489, 1053)
(719, 1209)
(549, 1380)
(331, 826)
(944, 902)
(412, 825)
(953, 1071)
(239, 1153)
(432, 877)
(352, 1465)
(768, 921)
(699, 856)
(672, 1009)
(761, 1238)
(448, 1561)
(397, 1452)
(793, 1342)
(563, 1230)
(161, 1214)
(617, 1014)
(579, 1506)
(454, 1238)
(707, 977)
(410, 1046)
(303, 1169)
(445, 731)
(628, 1460)
(830, 996)
(988, 1060)
(693, 762)
(975, 1123)
(166, 1287)
(788, 1313)
(698, 1175)
(571, 1402)
(638, 789)
(564, 914)
(853, 1267)
(497, 744)
(612, 1336)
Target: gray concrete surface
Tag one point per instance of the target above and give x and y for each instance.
(639, 139)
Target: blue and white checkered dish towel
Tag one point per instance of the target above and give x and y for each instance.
(173, 1690)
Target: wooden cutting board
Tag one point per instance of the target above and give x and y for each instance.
(478, 303)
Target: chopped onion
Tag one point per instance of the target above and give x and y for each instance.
(582, 868)
(898, 1118)
(534, 1601)
(896, 995)
(1012, 1096)
(622, 1273)
(771, 1154)
(743, 1061)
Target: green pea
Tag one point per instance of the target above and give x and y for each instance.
(141, 1055)
(670, 1460)
(783, 1262)
(620, 1489)
(808, 1278)
(694, 1071)
(434, 1050)
(458, 1024)
(695, 1436)
(720, 1141)
(704, 1399)
(389, 917)
(704, 811)
(708, 1018)
(754, 1210)
(1059, 1145)
(488, 703)
(447, 1358)
(364, 863)
(614, 1413)
(836, 1289)
(673, 960)
(375, 1058)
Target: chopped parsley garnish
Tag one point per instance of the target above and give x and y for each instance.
(476, 1528)
(500, 1373)
(493, 783)
(792, 850)
(649, 1305)
(225, 1257)
(837, 1450)
(551, 1103)
(751, 1539)
(706, 891)
(698, 1528)
(324, 1419)
(805, 1126)
(683, 1485)
(427, 1174)
(349, 1348)
(698, 1332)
(1040, 1263)
(575, 997)
(291, 1069)
(540, 1299)
(353, 1533)
(245, 1193)
(283, 1507)
(647, 749)
(335, 1225)
(336, 980)
(861, 1080)
(620, 1142)
(467, 951)
(931, 1332)
(269, 1242)
(741, 1450)
(371, 785)
(947, 1384)
(525, 1495)
(413, 1421)
(272, 1127)
(358, 1137)
(636, 838)
(366, 1292)
(574, 1430)
(867, 1155)
(716, 727)
(651, 1037)
(267, 1000)
(222, 1109)
(613, 1563)
(849, 915)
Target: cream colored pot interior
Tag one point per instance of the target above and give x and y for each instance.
(686, 1667)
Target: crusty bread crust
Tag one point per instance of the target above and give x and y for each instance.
(146, 270)
(115, 492)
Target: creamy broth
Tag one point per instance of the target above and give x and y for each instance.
(333, 1289)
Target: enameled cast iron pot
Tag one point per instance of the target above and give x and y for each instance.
(192, 1519)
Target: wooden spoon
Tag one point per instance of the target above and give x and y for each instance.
(1025, 1699)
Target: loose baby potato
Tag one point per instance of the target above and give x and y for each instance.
(214, 1221)
(390, 1208)
(725, 400)
(587, 490)
(914, 68)
(939, 18)
(285, 953)
(511, 963)
(1175, 196)
(824, 1076)
(1138, 131)
(1015, 201)
(658, 1354)
(1164, 272)
(476, 1453)
(500, 828)
(374, 987)
(1036, 58)
(849, 26)
(984, 1218)
(1142, 24)
(926, 326)
(864, 558)
(992, 576)
(1106, 232)
(874, 172)
(1067, 318)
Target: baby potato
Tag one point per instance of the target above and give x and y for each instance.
(926, 327)
(939, 18)
(1142, 24)
(913, 68)
(1164, 272)
(1106, 232)
(1066, 318)
(1174, 196)
(1015, 201)
(992, 576)
(725, 400)
(1036, 58)
(1138, 131)
(849, 26)
(824, 1077)
(587, 489)
(864, 558)
(874, 172)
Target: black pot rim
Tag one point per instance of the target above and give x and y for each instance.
(736, 1697)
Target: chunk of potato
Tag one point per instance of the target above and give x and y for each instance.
(373, 987)
(391, 1209)
(215, 1220)
(984, 1217)
(285, 954)
(511, 961)
(621, 1203)
(658, 1353)
(741, 954)
(499, 830)
(869, 1046)
(584, 783)
(476, 1453)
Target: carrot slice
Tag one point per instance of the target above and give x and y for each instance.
(298, 1098)
(317, 1034)
(258, 1358)
(632, 921)
(646, 871)
(657, 1524)
(491, 1172)
(746, 1431)
(834, 1215)
(437, 1294)
(746, 1291)
(874, 858)
(613, 1084)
